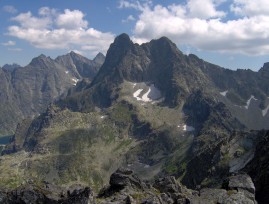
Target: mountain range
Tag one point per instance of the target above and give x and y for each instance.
(27, 91)
(148, 108)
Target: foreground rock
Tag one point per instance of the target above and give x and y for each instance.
(126, 188)
(47, 193)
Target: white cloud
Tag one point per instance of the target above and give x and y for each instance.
(26, 20)
(128, 19)
(250, 7)
(135, 4)
(205, 10)
(15, 49)
(205, 30)
(71, 20)
(10, 9)
(46, 11)
(53, 30)
(9, 43)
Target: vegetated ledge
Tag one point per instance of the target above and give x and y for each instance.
(126, 187)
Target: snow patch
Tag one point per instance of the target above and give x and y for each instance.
(66, 72)
(265, 111)
(134, 84)
(224, 93)
(188, 128)
(145, 97)
(103, 116)
(146, 166)
(249, 100)
(152, 94)
(75, 80)
(137, 93)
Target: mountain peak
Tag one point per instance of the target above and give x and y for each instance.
(11, 67)
(121, 45)
(123, 40)
(165, 39)
(99, 58)
(40, 60)
(265, 68)
(165, 43)
(42, 56)
(72, 53)
(123, 36)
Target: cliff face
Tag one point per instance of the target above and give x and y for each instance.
(258, 169)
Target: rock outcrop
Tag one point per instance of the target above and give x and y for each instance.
(125, 187)
(258, 169)
(47, 194)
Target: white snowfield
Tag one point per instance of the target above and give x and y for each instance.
(249, 100)
(75, 80)
(137, 93)
(224, 93)
(151, 95)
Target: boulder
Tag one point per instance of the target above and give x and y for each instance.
(125, 177)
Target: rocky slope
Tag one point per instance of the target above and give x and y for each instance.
(149, 108)
(27, 91)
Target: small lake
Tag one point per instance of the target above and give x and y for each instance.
(5, 139)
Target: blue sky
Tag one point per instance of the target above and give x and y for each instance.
(230, 33)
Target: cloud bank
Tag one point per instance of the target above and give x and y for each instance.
(243, 28)
(68, 30)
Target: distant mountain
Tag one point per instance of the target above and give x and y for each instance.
(80, 66)
(27, 91)
(11, 67)
(149, 108)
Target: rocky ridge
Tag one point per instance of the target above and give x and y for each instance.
(27, 91)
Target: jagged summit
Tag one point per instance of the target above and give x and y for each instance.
(166, 44)
(123, 39)
(41, 60)
(11, 67)
(79, 65)
(99, 58)
(265, 68)
(74, 54)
